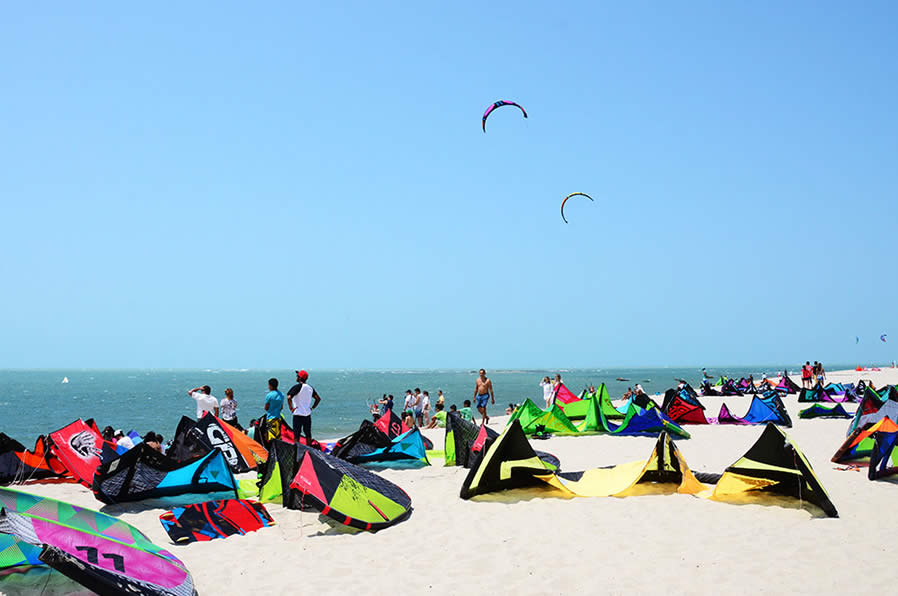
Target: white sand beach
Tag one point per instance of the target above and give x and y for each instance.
(675, 544)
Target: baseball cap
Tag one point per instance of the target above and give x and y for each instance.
(303, 375)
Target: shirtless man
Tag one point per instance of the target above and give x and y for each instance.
(483, 392)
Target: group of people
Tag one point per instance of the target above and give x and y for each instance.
(811, 374)
(550, 389)
(301, 399)
(418, 411)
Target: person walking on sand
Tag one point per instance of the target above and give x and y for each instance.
(302, 399)
(806, 374)
(483, 393)
(205, 402)
(548, 391)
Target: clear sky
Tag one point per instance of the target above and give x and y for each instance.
(307, 184)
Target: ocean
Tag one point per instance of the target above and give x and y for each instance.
(34, 402)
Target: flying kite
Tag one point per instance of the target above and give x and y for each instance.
(499, 104)
(857, 339)
(573, 194)
(882, 337)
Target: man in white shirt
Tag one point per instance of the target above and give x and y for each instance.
(425, 409)
(205, 402)
(300, 401)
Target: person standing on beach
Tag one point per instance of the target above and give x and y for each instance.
(483, 392)
(302, 399)
(548, 391)
(274, 400)
(418, 406)
(441, 399)
(228, 409)
(425, 409)
(205, 402)
(465, 412)
(806, 374)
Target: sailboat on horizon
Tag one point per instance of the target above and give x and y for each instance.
(65, 380)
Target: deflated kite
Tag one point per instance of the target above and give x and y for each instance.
(573, 194)
(499, 104)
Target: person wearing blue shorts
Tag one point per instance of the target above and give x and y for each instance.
(483, 392)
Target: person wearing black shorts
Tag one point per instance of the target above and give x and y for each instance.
(302, 399)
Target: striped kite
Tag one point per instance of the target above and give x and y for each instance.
(573, 194)
(499, 104)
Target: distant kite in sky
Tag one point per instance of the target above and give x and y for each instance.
(573, 194)
(499, 104)
(882, 337)
(856, 339)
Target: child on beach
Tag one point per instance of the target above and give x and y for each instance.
(439, 418)
(466, 411)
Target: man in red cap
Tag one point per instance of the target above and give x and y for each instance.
(302, 399)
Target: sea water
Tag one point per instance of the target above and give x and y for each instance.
(34, 402)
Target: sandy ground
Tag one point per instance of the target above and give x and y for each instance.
(675, 544)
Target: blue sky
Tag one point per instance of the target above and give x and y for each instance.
(217, 186)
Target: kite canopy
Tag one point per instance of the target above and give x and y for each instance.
(499, 104)
(873, 408)
(214, 519)
(819, 411)
(279, 471)
(786, 385)
(726, 417)
(367, 439)
(772, 465)
(534, 420)
(507, 462)
(683, 407)
(564, 395)
(573, 194)
(102, 553)
(348, 494)
(768, 408)
(241, 452)
(391, 425)
(17, 465)
(883, 337)
(144, 473)
(464, 440)
(763, 409)
(194, 439)
(664, 472)
(407, 448)
(859, 444)
(644, 421)
(883, 457)
(79, 447)
(577, 410)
